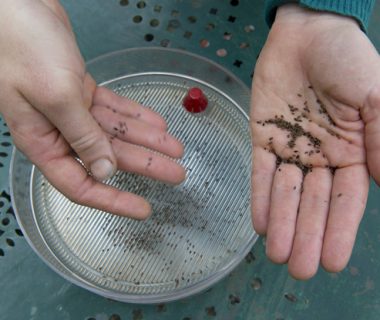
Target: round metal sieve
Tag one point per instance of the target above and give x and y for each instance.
(198, 232)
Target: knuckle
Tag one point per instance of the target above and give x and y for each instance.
(86, 142)
(58, 97)
(59, 94)
(159, 138)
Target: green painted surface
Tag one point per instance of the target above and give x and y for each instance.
(256, 289)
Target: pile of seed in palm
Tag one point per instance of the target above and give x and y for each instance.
(295, 131)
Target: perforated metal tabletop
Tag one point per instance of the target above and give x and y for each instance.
(231, 33)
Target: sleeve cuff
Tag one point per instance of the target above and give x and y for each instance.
(360, 10)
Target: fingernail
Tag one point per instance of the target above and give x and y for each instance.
(102, 169)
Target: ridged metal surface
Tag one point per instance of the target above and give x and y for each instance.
(197, 229)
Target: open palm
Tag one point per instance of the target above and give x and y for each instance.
(312, 118)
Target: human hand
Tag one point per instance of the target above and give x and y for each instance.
(315, 125)
(46, 98)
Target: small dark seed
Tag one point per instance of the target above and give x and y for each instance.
(291, 297)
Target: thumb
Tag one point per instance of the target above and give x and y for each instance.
(69, 113)
(90, 143)
(371, 117)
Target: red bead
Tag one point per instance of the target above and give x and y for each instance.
(195, 101)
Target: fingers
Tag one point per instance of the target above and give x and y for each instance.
(263, 170)
(135, 159)
(285, 198)
(371, 115)
(137, 132)
(68, 176)
(124, 106)
(311, 222)
(330, 210)
(348, 200)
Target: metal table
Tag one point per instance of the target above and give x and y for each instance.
(232, 34)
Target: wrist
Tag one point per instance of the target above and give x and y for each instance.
(299, 16)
